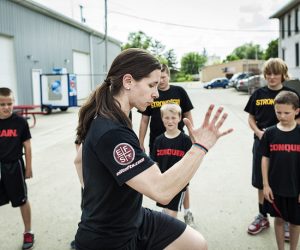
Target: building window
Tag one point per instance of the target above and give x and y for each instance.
(296, 21)
(289, 25)
(283, 54)
(297, 54)
(282, 27)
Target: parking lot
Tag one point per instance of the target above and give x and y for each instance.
(222, 199)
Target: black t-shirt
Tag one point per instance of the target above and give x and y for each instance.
(261, 106)
(167, 151)
(112, 211)
(175, 94)
(13, 132)
(283, 150)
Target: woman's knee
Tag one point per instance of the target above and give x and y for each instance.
(203, 243)
(190, 239)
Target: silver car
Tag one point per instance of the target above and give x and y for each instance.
(256, 82)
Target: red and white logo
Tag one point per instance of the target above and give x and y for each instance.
(124, 154)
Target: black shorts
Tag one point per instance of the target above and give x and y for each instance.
(284, 207)
(175, 204)
(256, 165)
(156, 232)
(12, 184)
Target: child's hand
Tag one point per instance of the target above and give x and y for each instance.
(268, 194)
(260, 134)
(28, 173)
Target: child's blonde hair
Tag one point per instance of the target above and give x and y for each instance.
(172, 107)
(276, 66)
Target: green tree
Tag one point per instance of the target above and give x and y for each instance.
(141, 40)
(171, 59)
(272, 50)
(157, 48)
(192, 62)
(246, 51)
(138, 40)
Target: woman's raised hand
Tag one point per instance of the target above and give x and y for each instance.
(209, 132)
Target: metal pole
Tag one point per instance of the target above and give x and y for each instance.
(256, 57)
(106, 63)
(81, 14)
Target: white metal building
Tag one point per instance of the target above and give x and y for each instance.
(35, 39)
(289, 40)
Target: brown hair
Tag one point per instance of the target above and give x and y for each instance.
(287, 97)
(165, 68)
(137, 62)
(276, 66)
(5, 91)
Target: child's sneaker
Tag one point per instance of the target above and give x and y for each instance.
(28, 241)
(260, 223)
(286, 231)
(189, 218)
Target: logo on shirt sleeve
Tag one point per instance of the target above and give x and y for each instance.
(124, 154)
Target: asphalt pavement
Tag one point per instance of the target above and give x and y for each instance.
(222, 199)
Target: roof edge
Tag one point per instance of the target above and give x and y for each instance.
(286, 8)
(56, 15)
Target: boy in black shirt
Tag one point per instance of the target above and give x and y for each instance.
(169, 148)
(167, 94)
(281, 168)
(261, 115)
(14, 135)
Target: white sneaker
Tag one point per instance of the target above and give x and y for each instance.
(189, 218)
(286, 231)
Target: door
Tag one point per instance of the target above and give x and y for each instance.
(82, 69)
(36, 88)
(8, 76)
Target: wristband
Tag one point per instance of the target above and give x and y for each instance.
(201, 147)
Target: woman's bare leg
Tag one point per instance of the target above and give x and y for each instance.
(190, 239)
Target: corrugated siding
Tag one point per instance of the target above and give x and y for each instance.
(47, 40)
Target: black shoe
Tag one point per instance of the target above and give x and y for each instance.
(72, 244)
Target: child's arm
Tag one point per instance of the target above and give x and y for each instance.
(28, 159)
(189, 116)
(143, 130)
(78, 164)
(265, 169)
(252, 123)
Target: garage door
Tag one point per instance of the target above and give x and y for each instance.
(82, 68)
(8, 76)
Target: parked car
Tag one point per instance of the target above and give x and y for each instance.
(234, 78)
(217, 83)
(240, 76)
(256, 82)
(293, 84)
(242, 85)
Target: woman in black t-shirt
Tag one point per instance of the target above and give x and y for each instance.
(116, 172)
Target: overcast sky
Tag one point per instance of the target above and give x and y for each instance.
(186, 26)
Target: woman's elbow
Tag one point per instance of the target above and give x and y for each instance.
(164, 198)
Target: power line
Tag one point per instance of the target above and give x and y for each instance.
(189, 26)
